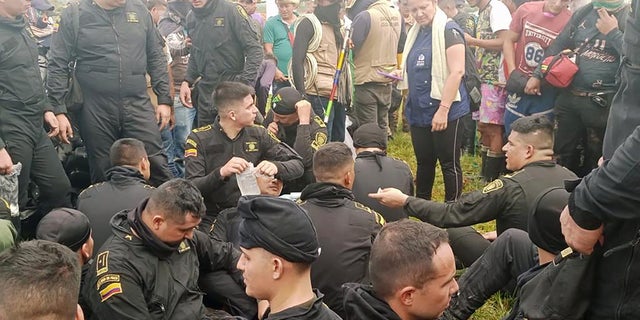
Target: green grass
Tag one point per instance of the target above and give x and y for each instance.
(400, 147)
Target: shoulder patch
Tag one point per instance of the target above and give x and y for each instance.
(192, 143)
(193, 152)
(110, 291)
(319, 121)
(102, 263)
(493, 186)
(107, 278)
(319, 140)
(202, 129)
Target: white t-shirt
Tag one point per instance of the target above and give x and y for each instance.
(500, 16)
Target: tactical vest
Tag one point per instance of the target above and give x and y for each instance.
(327, 58)
(378, 52)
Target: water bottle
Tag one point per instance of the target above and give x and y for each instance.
(247, 181)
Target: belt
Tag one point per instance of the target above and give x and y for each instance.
(589, 94)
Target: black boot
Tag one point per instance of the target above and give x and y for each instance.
(483, 165)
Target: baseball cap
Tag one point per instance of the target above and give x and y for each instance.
(65, 226)
(284, 101)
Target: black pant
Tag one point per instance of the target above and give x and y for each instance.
(444, 146)
(467, 245)
(511, 254)
(40, 165)
(625, 107)
(105, 118)
(580, 122)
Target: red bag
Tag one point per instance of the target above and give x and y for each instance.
(560, 69)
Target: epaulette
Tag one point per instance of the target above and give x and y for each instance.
(319, 121)
(89, 187)
(257, 125)
(377, 216)
(150, 187)
(513, 174)
(202, 129)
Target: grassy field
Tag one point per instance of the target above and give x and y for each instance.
(400, 147)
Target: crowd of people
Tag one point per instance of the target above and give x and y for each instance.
(218, 184)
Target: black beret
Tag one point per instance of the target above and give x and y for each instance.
(370, 135)
(279, 226)
(65, 226)
(544, 220)
(284, 101)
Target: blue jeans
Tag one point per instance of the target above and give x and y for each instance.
(173, 141)
(337, 119)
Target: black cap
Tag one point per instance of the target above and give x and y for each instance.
(42, 5)
(279, 226)
(65, 226)
(284, 101)
(544, 222)
(370, 135)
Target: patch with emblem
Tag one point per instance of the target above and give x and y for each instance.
(493, 186)
(251, 146)
(319, 121)
(277, 98)
(219, 22)
(319, 141)
(107, 278)
(242, 11)
(191, 153)
(102, 263)
(110, 291)
(184, 247)
(132, 17)
(192, 143)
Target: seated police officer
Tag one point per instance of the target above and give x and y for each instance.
(72, 229)
(293, 121)
(346, 228)
(149, 268)
(215, 153)
(279, 243)
(225, 228)
(125, 187)
(508, 199)
(511, 254)
(374, 169)
(412, 275)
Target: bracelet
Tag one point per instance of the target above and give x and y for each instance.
(444, 106)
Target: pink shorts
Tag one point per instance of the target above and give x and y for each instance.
(492, 106)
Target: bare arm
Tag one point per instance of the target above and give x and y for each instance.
(508, 49)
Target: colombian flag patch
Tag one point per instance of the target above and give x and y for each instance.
(110, 291)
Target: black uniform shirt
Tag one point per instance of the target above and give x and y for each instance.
(208, 149)
(312, 310)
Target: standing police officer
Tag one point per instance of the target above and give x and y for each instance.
(23, 112)
(224, 47)
(116, 45)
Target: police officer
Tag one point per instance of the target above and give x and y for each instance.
(293, 121)
(279, 243)
(508, 199)
(224, 47)
(374, 169)
(126, 182)
(346, 228)
(24, 111)
(149, 268)
(217, 152)
(113, 55)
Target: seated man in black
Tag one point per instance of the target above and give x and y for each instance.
(215, 153)
(508, 199)
(293, 121)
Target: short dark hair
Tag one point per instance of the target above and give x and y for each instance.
(446, 3)
(402, 255)
(40, 279)
(329, 158)
(537, 125)
(127, 152)
(155, 3)
(228, 93)
(176, 198)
